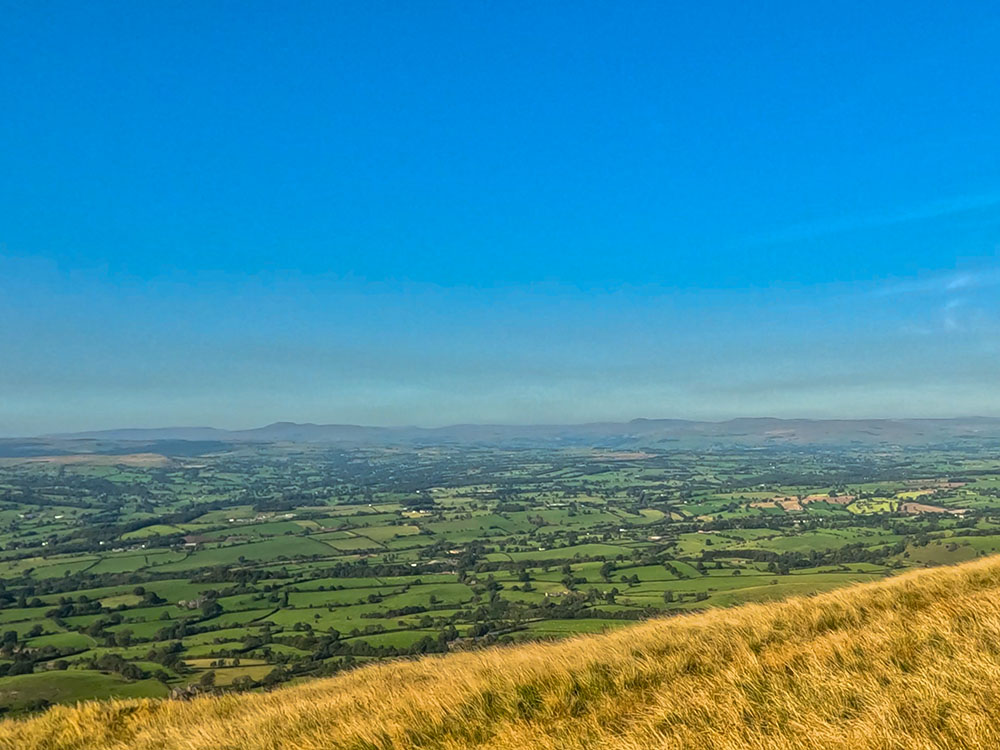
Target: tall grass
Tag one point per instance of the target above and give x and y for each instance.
(910, 663)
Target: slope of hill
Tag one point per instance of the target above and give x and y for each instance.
(910, 662)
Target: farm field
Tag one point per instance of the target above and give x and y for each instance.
(247, 566)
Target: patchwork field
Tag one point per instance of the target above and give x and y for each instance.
(264, 564)
(901, 663)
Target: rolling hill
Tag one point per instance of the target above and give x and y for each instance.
(638, 432)
(909, 662)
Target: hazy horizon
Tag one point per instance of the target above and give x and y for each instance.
(389, 426)
(471, 213)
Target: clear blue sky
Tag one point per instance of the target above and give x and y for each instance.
(390, 213)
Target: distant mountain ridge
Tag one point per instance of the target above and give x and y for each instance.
(744, 430)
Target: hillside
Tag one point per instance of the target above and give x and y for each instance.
(910, 662)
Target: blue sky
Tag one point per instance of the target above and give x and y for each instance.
(394, 213)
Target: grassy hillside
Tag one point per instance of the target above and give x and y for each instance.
(911, 662)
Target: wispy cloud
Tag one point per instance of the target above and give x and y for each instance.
(949, 304)
(922, 212)
(946, 283)
(952, 314)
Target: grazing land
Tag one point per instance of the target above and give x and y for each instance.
(910, 662)
(217, 567)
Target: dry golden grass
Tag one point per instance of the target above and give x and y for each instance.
(910, 663)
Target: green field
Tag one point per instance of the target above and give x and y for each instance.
(244, 569)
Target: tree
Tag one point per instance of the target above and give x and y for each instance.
(606, 570)
(21, 666)
(273, 677)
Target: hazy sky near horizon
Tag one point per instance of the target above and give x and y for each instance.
(228, 214)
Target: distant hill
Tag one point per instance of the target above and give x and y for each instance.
(638, 432)
(909, 662)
